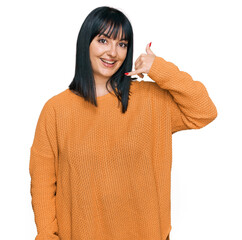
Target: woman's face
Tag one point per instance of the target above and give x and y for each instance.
(102, 48)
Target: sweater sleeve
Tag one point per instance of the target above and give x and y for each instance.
(43, 153)
(188, 100)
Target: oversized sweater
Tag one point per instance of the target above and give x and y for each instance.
(100, 174)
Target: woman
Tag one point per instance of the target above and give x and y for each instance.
(101, 173)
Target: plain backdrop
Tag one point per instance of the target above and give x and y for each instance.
(203, 38)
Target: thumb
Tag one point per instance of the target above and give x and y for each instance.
(148, 50)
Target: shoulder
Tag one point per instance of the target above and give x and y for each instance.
(148, 87)
(141, 85)
(58, 98)
(55, 102)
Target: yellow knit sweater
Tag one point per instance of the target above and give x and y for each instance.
(99, 174)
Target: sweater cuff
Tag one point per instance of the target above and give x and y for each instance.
(162, 70)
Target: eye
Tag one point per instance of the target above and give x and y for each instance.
(124, 45)
(100, 40)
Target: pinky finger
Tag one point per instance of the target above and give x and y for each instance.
(141, 75)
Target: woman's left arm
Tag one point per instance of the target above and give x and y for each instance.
(190, 105)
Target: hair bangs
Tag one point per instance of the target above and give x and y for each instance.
(114, 27)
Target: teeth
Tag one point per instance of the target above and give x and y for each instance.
(108, 61)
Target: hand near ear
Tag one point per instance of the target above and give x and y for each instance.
(143, 63)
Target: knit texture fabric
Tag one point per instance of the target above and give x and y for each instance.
(99, 174)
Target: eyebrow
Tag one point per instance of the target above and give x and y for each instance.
(109, 37)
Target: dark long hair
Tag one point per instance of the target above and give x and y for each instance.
(95, 24)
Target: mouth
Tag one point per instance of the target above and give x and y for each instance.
(108, 63)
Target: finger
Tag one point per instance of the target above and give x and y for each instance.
(135, 72)
(141, 75)
(148, 50)
(138, 65)
(140, 56)
(137, 60)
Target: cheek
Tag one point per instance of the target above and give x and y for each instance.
(98, 51)
(124, 57)
(124, 54)
(95, 50)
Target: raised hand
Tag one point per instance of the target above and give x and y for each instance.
(143, 63)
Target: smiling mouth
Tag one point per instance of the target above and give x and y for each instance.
(108, 62)
(108, 65)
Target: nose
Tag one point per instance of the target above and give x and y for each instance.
(112, 51)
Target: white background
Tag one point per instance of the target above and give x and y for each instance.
(203, 38)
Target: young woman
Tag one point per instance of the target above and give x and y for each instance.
(101, 158)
